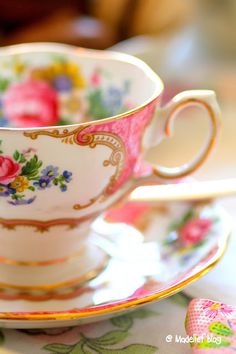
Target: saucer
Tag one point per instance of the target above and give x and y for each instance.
(154, 250)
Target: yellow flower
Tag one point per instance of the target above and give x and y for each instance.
(18, 66)
(72, 104)
(60, 68)
(39, 74)
(20, 183)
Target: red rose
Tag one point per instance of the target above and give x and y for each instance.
(9, 169)
(32, 103)
(194, 231)
(95, 79)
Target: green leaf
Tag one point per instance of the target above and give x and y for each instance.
(190, 214)
(16, 155)
(59, 348)
(55, 181)
(63, 121)
(31, 188)
(79, 349)
(139, 349)
(142, 313)
(210, 344)
(60, 58)
(109, 338)
(2, 338)
(220, 329)
(4, 82)
(22, 159)
(124, 322)
(31, 168)
(131, 349)
(96, 106)
(36, 178)
(17, 196)
(84, 350)
(186, 320)
(181, 299)
(175, 225)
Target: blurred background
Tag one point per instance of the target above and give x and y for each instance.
(190, 43)
(89, 23)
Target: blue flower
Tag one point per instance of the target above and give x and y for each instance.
(3, 120)
(67, 176)
(50, 172)
(126, 86)
(63, 188)
(113, 100)
(43, 182)
(22, 201)
(62, 83)
(5, 190)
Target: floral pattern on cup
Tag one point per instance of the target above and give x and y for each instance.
(106, 102)
(31, 103)
(57, 94)
(24, 172)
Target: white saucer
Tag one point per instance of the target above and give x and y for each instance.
(154, 250)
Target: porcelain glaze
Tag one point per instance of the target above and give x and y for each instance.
(75, 126)
(172, 245)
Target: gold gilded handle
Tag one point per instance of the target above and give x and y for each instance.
(202, 98)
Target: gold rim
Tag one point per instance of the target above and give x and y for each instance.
(194, 165)
(123, 306)
(111, 55)
(82, 279)
(14, 262)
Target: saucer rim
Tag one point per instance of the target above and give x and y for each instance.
(115, 307)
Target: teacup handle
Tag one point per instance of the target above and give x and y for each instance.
(163, 123)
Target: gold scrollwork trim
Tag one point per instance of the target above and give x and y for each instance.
(91, 139)
(55, 133)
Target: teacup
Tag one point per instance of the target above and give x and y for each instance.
(75, 124)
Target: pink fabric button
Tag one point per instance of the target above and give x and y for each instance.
(211, 327)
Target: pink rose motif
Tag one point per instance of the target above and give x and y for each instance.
(95, 79)
(32, 103)
(9, 169)
(194, 231)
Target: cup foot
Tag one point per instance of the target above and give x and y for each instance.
(82, 266)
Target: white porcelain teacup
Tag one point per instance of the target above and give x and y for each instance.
(74, 126)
